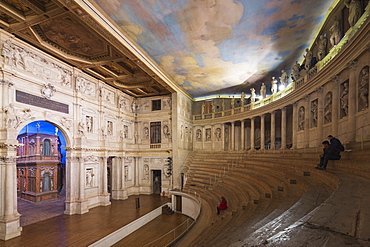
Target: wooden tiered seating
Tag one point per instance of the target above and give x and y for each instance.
(253, 187)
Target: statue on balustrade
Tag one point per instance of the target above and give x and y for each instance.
(364, 88)
(308, 59)
(242, 98)
(263, 90)
(321, 47)
(354, 7)
(295, 71)
(328, 107)
(344, 99)
(253, 95)
(284, 78)
(336, 33)
(203, 107)
(301, 116)
(274, 85)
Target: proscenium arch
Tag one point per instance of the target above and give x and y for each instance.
(63, 131)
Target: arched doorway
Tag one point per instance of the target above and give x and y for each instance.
(40, 171)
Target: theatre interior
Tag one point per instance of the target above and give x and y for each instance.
(124, 123)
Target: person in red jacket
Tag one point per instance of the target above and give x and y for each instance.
(221, 205)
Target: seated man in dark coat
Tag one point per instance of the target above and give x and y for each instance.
(330, 153)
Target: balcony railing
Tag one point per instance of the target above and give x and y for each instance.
(29, 158)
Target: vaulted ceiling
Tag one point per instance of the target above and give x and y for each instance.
(202, 46)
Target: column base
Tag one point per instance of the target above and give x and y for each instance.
(119, 194)
(10, 228)
(104, 199)
(77, 207)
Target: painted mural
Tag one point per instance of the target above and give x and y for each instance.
(209, 45)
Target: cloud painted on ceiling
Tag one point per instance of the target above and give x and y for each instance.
(208, 45)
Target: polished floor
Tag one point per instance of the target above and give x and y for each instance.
(83, 230)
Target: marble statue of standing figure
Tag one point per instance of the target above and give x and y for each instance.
(335, 31)
(203, 107)
(364, 87)
(263, 90)
(308, 59)
(274, 85)
(253, 95)
(354, 7)
(301, 118)
(321, 47)
(344, 99)
(284, 78)
(295, 71)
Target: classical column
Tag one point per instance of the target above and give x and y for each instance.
(242, 133)
(104, 197)
(223, 136)
(263, 132)
(272, 131)
(203, 137)
(351, 136)
(38, 146)
(283, 128)
(320, 116)
(9, 217)
(252, 134)
(232, 139)
(295, 124)
(306, 122)
(335, 106)
(136, 167)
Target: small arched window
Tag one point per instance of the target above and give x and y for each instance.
(47, 147)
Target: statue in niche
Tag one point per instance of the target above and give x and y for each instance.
(199, 135)
(263, 90)
(89, 124)
(284, 78)
(134, 106)
(146, 132)
(295, 71)
(364, 88)
(208, 135)
(81, 129)
(253, 95)
(336, 33)
(89, 177)
(121, 102)
(218, 134)
(354, 7)
(242, 98)
(126, 173)
(125, 131)
(274, 85)
(110, 128)
(166, 131)
(327, 108)
(344, 99)
(301, 116)
(226, 135)
(321, 47)
(136, 137)
(308, 59)
(146, 172)
(204, 107)
(314, 110)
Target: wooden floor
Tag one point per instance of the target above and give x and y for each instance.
(156, 229)
(82, 230)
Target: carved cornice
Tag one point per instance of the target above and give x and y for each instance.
(6, 83)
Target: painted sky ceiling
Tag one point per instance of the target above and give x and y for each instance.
(211, 45)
